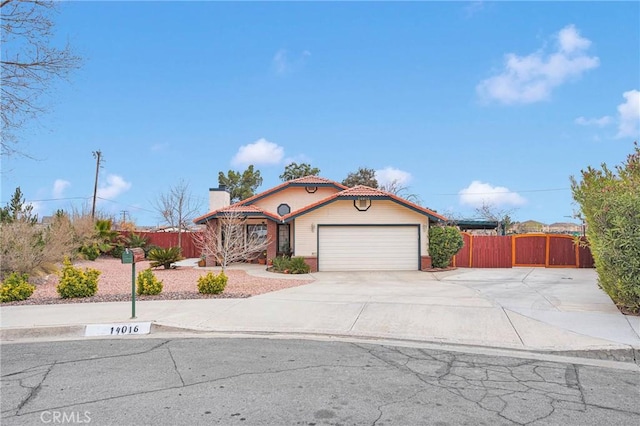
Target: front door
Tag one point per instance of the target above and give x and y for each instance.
(284, 243)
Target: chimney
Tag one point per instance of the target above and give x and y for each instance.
(219, 198)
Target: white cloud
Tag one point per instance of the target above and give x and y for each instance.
(390, 175)
(260, 152)
(159, 147)
(532, 78)
(472, 8)
(37, 208)
(570, 40)
(59, 186)
(115, 186)
(599, 122)
(282, 63)
(479, 193)
(629, 114)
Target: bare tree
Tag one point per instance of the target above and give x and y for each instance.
(489, 211)
(177, 208)
(396, 188)
(29, 64)
(227, 241)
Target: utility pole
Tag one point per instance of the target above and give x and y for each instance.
(97, 155)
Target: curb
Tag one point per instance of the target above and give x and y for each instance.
(13, 334)
(630, 355)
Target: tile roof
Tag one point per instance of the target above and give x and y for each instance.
(365, 191)
(238, 208)
(314, 180)
(246, 207)
(303, 181)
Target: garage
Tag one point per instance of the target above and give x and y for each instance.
(369, 248)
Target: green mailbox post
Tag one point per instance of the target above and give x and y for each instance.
(133, 255)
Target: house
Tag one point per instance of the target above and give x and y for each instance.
(333, 227)
(480, 227)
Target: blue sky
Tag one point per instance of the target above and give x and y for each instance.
(461, 102)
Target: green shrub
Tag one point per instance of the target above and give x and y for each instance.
(74, 282)
(16, 287)
(90, 252)
(444, 243)
(136, 241)
(291, 265)
(117, 251)
(165, 257)
(108, 238)
(297, 265)
(148, 249)
(281, 263)
(212, 284)
(610, 205)
(148, 283)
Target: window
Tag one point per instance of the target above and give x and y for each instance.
(283, 239)
(284, 209)
(362, 204)
(258, 232)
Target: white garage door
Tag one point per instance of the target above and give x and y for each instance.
(368, 248)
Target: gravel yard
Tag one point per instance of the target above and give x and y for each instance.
(114, 283)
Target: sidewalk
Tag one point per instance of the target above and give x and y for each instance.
(543, 310)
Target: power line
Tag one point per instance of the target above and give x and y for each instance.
(126, 205)
(85, 198)
(54, 199)
(505, 192)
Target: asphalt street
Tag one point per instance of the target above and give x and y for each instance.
(250, 381)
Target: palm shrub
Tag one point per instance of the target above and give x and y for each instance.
(444, 243)
(164, 257)
(15, 288)
(136, 240)
(108, 238)
(297, 265)
(212, 284)
(132, 240)
(90, 252)
(148, 283)
(280, 263)
(117, 250)
(75, 282)
(292, 265)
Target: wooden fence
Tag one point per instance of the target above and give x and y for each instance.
(170, 239)
(544, 250)
(479, 251)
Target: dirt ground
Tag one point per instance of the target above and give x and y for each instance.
(114, 284)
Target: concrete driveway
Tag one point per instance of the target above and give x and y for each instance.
(520, 308)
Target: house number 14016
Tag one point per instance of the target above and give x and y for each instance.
(118, 329)
(124, 329)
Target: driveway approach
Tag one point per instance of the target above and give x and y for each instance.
(519, 308)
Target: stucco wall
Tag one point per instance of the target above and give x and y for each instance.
(296, 197)
(344, 213)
